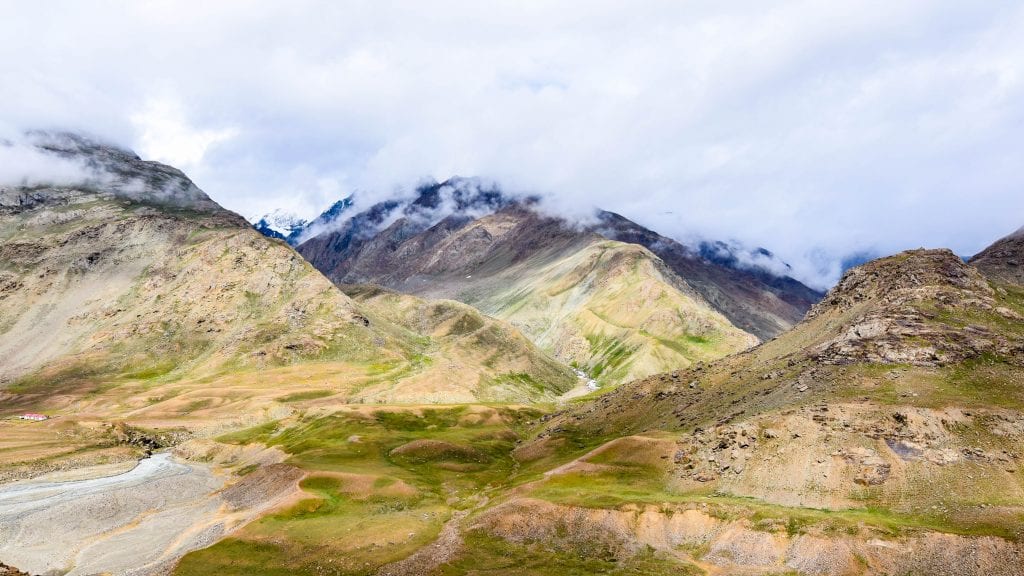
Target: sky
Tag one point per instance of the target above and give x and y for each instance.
(815, 129)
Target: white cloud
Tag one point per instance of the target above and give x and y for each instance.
(22, 164)
(814, 129)
(163, 134)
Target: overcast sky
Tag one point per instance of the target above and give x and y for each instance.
(812, 128)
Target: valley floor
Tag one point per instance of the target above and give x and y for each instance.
(458, 490)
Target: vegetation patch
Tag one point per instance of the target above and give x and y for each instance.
(382, 483)
(487, 554)
(306, 395)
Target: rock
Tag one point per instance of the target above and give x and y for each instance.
(6, 570)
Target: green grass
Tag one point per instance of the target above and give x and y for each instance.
(197, 405)
(518, 381)
(405, 495)
(151, 372)
(75, 376)
(486, 554)
(305, 395)
(235, 557)
(612, 357)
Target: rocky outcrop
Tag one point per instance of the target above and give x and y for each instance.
(121, 172)
(913, 308)
(740, 546)
(6, 570)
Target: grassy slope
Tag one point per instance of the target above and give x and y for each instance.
(762, 388)
(506, 365)
(580, 459)
(612, 310)
(381, 483)
(173, 318)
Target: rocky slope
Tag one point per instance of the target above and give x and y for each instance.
(897, 406)
(614, 309)
(1004, 260)
(730, 278)
(749, 287)
(109, 283)
(133, 295)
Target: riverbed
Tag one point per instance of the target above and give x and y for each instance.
(136, 523)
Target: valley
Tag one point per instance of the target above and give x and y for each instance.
(613, 309)
(461, 384)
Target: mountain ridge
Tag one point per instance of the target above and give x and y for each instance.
(752, 294)
(562, 286)
(134, 278)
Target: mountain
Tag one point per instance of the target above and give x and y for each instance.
(324, 427)
(893, 411)
(612, 309)
(881, 435)
(132, 295)
(750, 287)
(1003, 261)
(573, 289)
(482, 359)
(280, 225)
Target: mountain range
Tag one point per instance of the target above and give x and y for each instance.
(153, 295)
(610, 297)
(460, 382)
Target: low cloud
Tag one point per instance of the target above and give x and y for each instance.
(24, 164)
(58, 159)
(817, 130)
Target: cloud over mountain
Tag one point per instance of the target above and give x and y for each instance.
(819, 130)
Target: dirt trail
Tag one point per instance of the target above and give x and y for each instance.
(433, 555)
(439, 552)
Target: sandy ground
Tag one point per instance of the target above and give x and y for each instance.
(137, 522)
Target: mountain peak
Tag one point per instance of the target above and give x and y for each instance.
(279, 224)
(456, 196)
(751, 287)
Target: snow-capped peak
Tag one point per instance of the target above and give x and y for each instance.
(280, 221)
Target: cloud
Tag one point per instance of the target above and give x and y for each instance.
(22, 164)
(164, 135)
(814, 129)
(60, 159)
